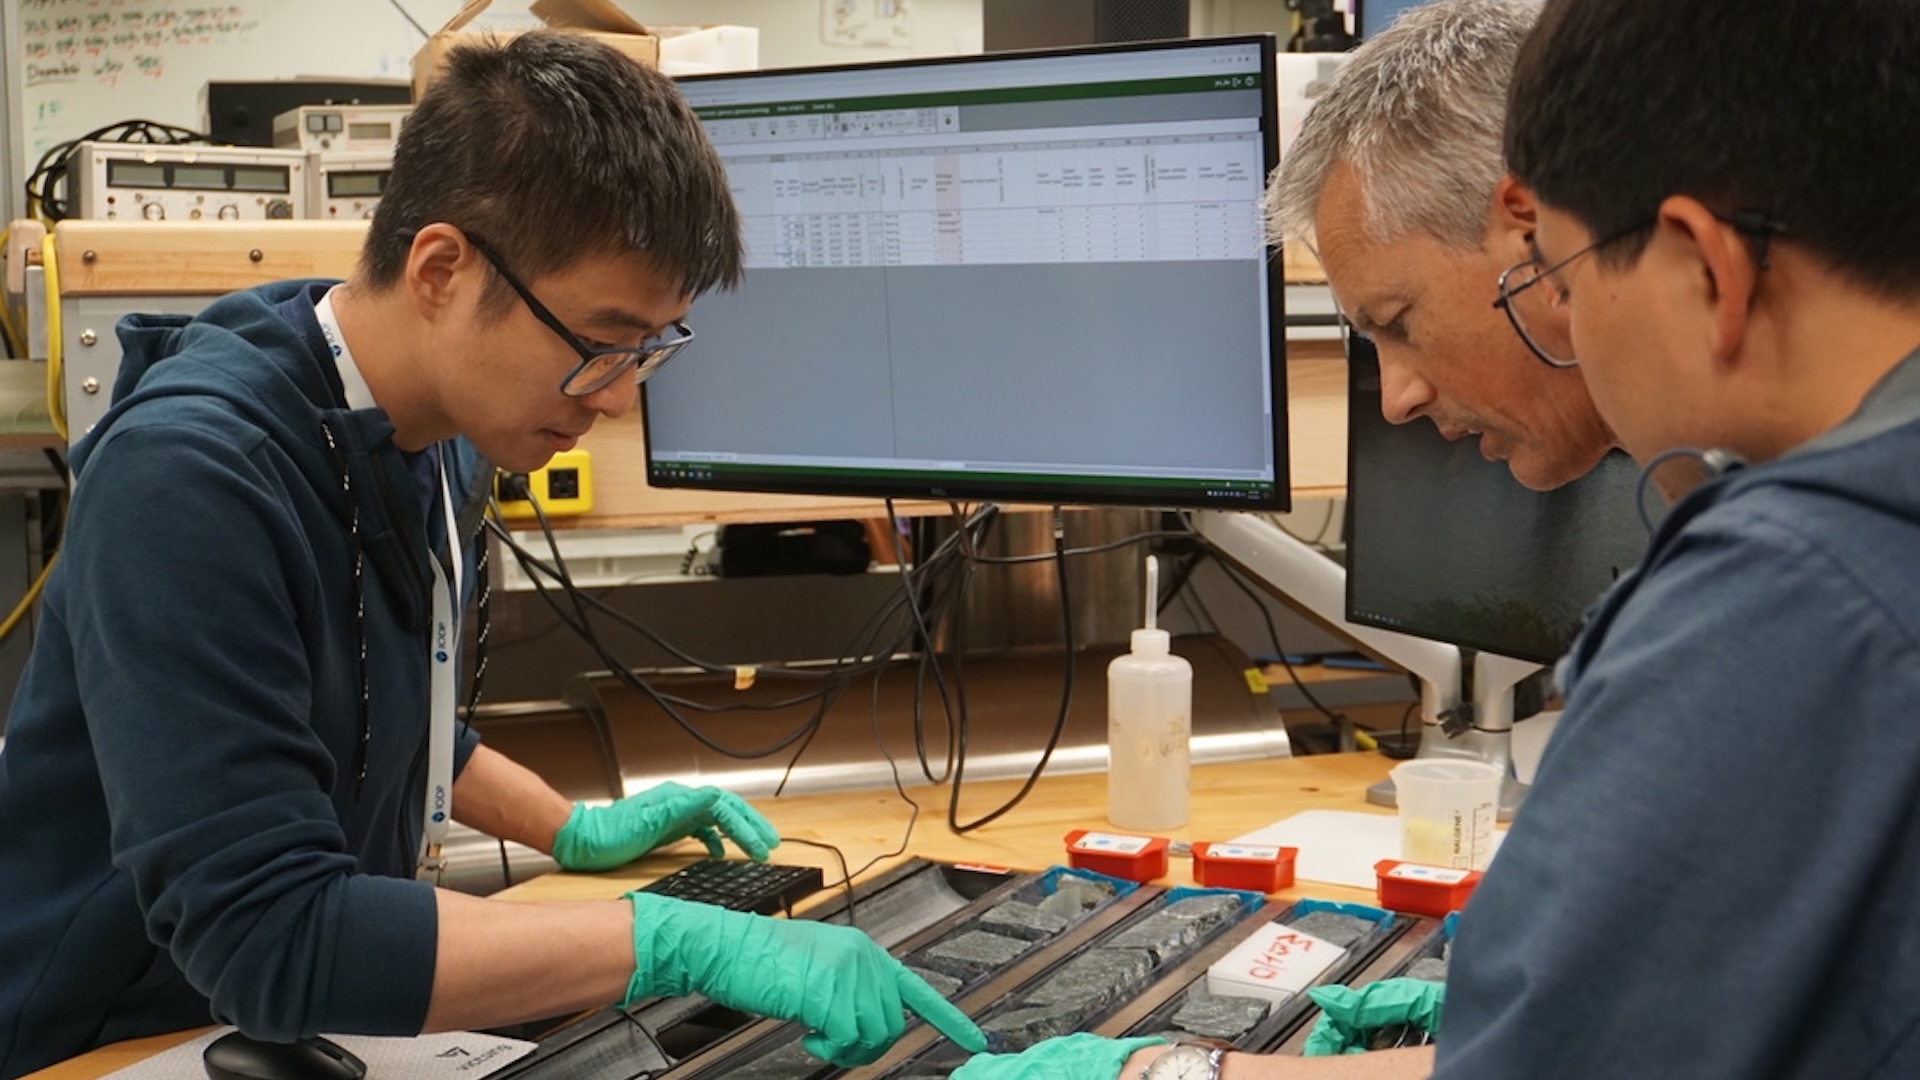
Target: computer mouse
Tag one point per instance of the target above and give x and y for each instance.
(235, 1056)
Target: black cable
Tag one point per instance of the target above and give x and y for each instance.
(1176, 578)
(893, 766)
(583, 629)
(943, 576)
(626, 676)
(1182, 585)
(482, 630)
(834, 678)
(1111, 545)
(846, 878)
(1234, 576)
(554, 571)
(59, 463)
(46, 182)
(1318, 543)
(53, 516)
(692, 553)
(411, 21)
(948, 595)
(1273, 634)
(929, 659)
(786, 774)
(1060, 720)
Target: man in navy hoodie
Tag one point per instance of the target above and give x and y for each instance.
(234, 748)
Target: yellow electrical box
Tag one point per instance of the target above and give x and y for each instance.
(564, 488)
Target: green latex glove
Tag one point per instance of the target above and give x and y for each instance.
(603, 837)
(1347, 1015)
(1068, 1057)
(834, 979)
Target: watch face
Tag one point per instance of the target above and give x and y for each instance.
(1184, 1063)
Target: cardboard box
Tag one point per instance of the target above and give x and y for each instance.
(700, 50)
(597, 19)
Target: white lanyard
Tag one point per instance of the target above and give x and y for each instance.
(443, 653)
(444, 648)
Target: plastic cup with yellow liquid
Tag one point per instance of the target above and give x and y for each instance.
(1448, 807)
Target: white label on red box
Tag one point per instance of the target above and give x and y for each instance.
(1276, 963)
(1435, 875)
(1114, 843)
(1248, 852)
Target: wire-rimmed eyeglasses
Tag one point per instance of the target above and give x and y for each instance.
(598, 367)
(1548, 339)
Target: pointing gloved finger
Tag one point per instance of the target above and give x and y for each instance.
(944, 1015)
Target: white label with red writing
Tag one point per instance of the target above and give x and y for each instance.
(1275, 963)
(1112, 843)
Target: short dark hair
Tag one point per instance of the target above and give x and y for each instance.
(552, 146)
(1804, 111)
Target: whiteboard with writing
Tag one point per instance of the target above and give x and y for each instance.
(83, 64)
(88, 63)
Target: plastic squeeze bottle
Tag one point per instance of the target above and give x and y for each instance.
(1149, 728)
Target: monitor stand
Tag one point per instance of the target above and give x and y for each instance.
(1490, 738)
(1297, 571)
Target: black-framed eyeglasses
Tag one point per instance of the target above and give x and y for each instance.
(1548, 339)
(598, 367)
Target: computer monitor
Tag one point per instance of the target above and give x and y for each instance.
(1028, 277)
(1443, 544)
(1375, 16)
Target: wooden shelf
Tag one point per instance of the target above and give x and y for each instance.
(1316, 442)
(108, 258)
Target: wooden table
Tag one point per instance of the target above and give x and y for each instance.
(1229, 799)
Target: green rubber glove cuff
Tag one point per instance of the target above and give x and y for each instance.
(573, 843)
(1080, 1056)
(654, 975)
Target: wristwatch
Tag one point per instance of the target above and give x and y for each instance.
(1186, 1062)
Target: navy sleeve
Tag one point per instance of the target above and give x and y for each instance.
(197, 678)
(1710, 876)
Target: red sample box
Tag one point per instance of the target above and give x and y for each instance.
(1135, 858)
(1255, 867)
(1422, 889)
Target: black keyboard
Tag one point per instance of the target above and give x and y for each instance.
(741, 886)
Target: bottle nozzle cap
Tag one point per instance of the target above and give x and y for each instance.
(1148, 641)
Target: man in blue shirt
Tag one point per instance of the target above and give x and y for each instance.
(1715, 875)
(1715, 872)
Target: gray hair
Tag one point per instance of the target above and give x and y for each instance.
(1418, 111)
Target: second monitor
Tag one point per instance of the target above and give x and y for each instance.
(1444, 544)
